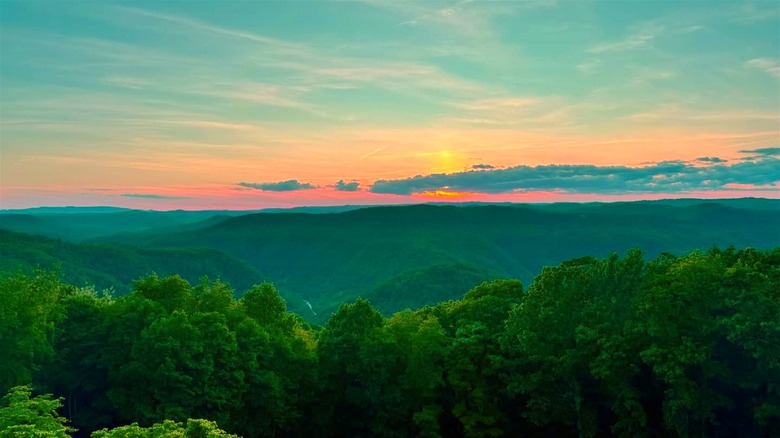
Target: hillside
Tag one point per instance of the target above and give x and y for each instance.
(428, 286)
(330, 258)
(89, 223)
(116, 266)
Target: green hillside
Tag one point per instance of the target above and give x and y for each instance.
(116, 266)
(428, 286)
(330, 258)
(76, 225)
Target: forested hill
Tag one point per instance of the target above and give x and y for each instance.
(115, 266)
(327, 259)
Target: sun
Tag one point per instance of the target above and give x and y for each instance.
(447, 161)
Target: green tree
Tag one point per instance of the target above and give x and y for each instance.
(278, 358)
(358, 368)
(24, 416)
(677, 319)
(264, 304)
(181, 366)
(166, 429)
(171, 292)
(474, 363)
(752, 285)
(261, 407)
(568, 349)
(421, 347)
(29, 308)
(214, 297)
(78, 371)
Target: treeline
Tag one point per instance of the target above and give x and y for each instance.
(674, 346)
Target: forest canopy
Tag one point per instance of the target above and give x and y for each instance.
(623, 346)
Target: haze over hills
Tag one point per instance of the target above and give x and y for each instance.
(86, 223)
(378, 252)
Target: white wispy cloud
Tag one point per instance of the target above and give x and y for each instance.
(752, 12)
(374, 152)
(498, 103)
(768, 65)
(304, 67)
(466, 29)
(674, 112)
(218, 30)
(640, 39)
(589, 67)
(645, 75)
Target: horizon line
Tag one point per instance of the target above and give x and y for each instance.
(358, 206)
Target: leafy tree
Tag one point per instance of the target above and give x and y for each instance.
(125, 320)
(752, 285)
(171, 292)
(166, 429)
(677, 317)
(23, 415)
(264, 304)
(28, 311)
(214, 297)
(358, 367)
(421, 347)
(78, 371)
(567, 343)
(261, 406)
(278, 358)
(181, 366)
(474, 365)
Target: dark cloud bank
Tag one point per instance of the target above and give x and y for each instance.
(769, 152)
(282, 186)
(341, 186)
(665, 177)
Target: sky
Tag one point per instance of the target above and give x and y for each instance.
(246, 105)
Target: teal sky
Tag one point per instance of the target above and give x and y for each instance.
(199, 104)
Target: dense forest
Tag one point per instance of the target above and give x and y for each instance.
(621, 346)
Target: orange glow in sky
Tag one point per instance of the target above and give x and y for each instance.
(167, 105)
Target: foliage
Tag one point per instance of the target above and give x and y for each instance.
(166, 429)
(23, 415)
(620, 346)
(27, 315)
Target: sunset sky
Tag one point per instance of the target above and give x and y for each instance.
(245, 105)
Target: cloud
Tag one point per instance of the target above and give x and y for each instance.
(203, 26)
(711, 160)
(751, 12)
(640, 39)
(589, 67)
(664, 177)
(310, 67)
(482, 167)
(768, 65)
(505, 102)
(770, 152)
(281, 186)
(377, 150)
(151, 196)
(341, 186)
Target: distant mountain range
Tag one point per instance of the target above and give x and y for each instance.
(397, 256)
